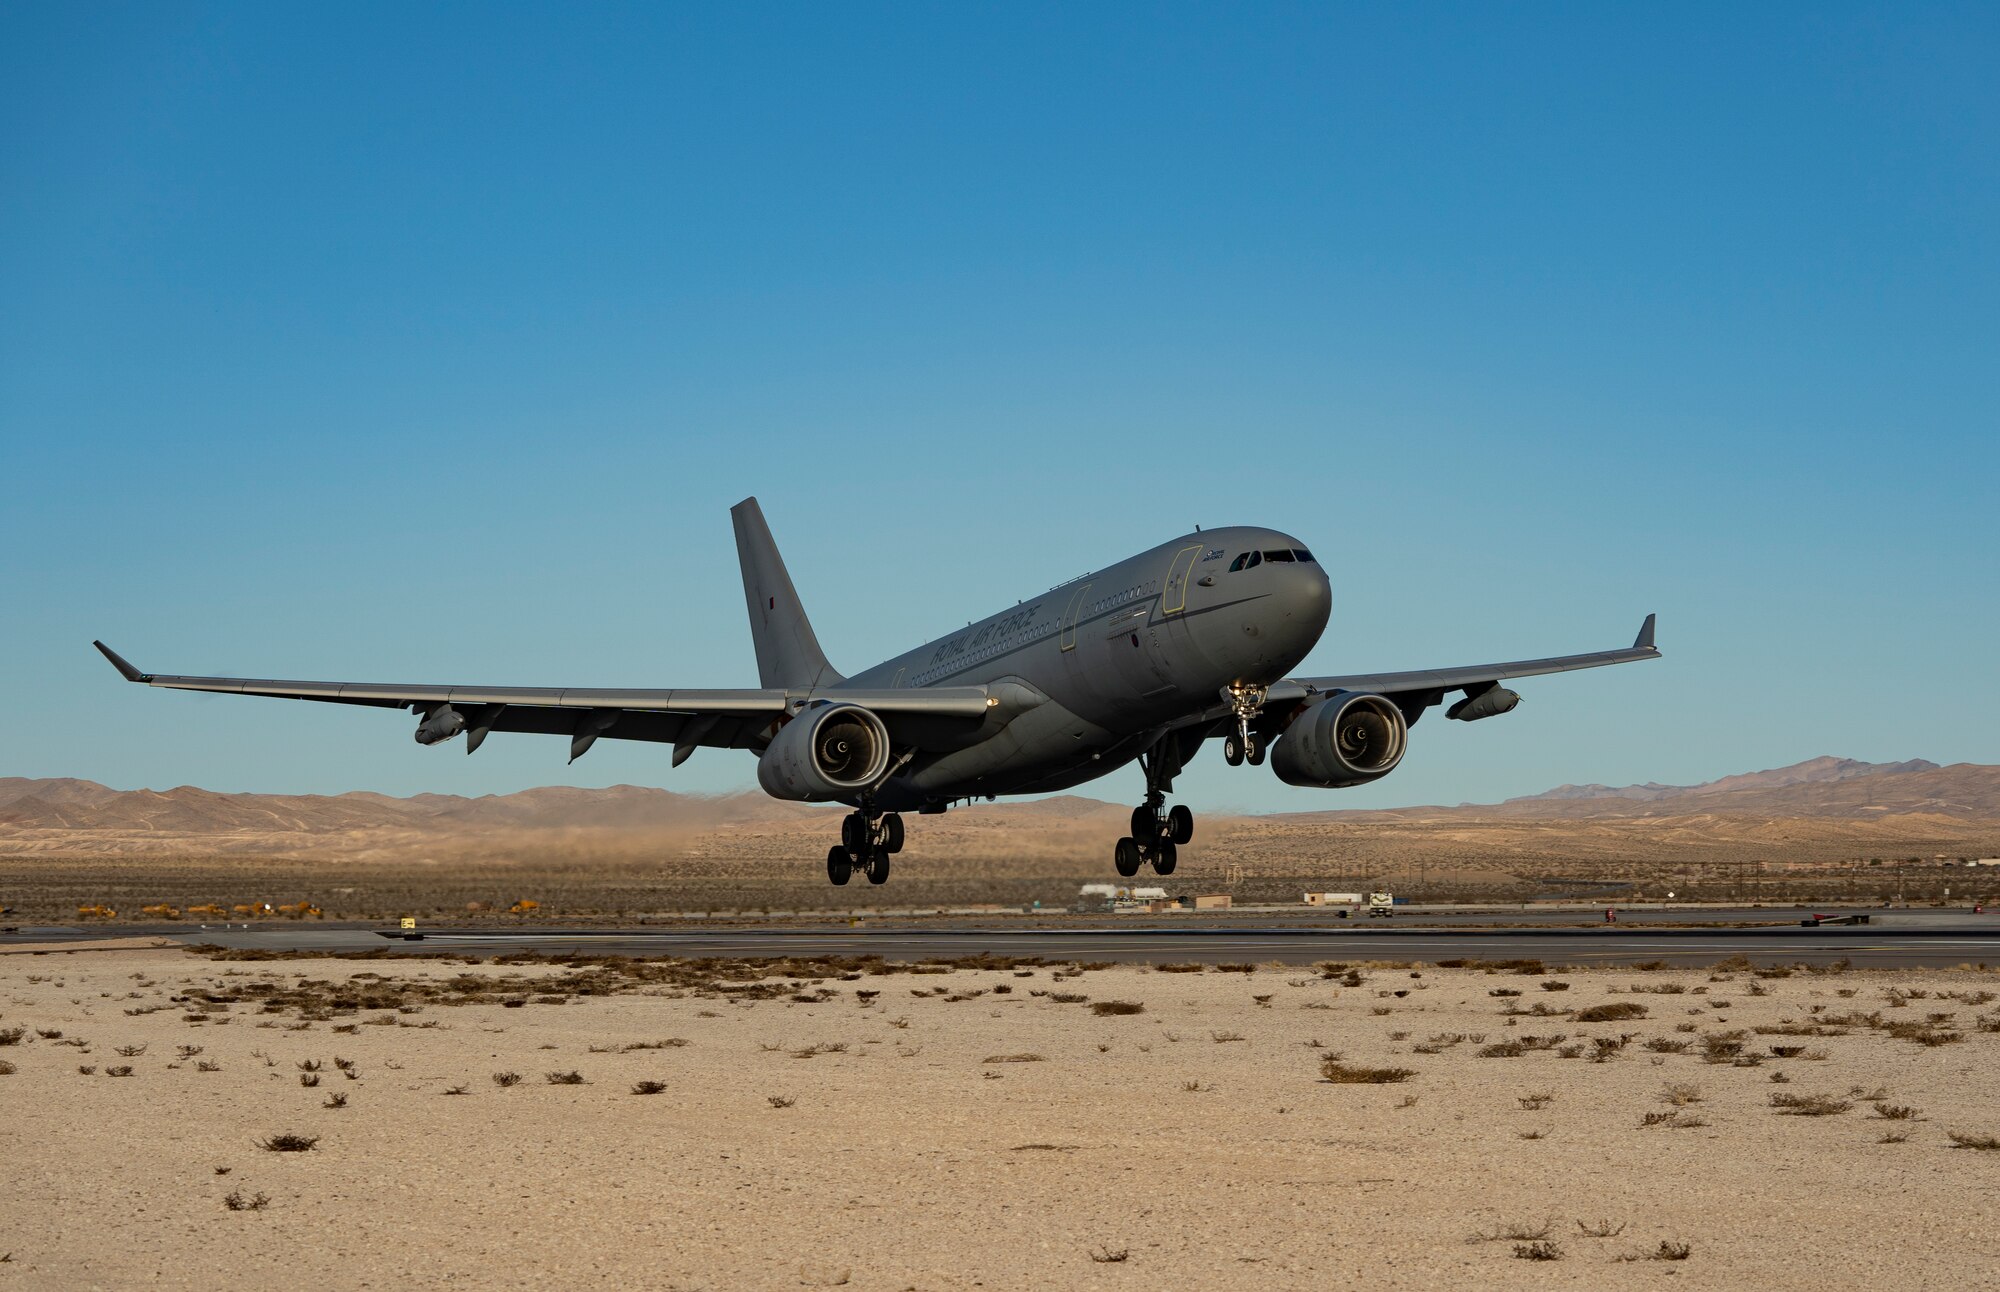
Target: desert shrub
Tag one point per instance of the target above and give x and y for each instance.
(1013, 1058)
(1895, 1112)
(1107, 1007)
(235, 1201)
(780, 1101)
(1808, 1105)
(648, 1087)
(1984, 1143)
(288, 1143)
(1331, 1069)
(1612, 1012)
(1503, 1050)
(1541, 1251)
(505, 1079)
(570, 1078)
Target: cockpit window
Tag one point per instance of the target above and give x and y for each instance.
(1282, 554)
(1237, 564)
(1302, 554)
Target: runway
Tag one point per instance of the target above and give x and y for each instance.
(1902, 940)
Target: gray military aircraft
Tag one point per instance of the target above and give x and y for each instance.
(1145, 660)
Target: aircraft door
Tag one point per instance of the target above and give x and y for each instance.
(1173, 593)
(1066, 639)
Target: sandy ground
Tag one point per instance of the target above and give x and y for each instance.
(1149, 1150)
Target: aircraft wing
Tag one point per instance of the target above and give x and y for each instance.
(1471, 677)
(728, 719)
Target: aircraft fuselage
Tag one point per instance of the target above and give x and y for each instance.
(1118, 653)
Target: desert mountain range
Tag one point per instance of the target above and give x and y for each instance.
(1835, 797)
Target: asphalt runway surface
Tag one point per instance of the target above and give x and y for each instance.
(1902, 939)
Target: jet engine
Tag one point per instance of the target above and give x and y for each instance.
(1344, 739)
(826, 752)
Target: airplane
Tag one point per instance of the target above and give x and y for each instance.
(1143, 660)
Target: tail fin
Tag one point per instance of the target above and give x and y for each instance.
(787, 652)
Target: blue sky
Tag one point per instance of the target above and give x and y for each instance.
(433, 344)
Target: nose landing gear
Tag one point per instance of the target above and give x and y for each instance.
(1246, 702)
(868, 839)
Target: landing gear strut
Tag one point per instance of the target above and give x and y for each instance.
(868, 838)
(1246, 702)
(1156, 834)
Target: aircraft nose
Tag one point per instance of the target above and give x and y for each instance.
(1309, 600)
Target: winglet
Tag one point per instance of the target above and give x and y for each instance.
(122, 664)
(1645, 638)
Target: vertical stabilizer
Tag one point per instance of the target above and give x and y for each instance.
(788, 653)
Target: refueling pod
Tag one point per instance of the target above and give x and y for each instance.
(829, 751)
(1488, 701)
(1345, 738)
(441, 723)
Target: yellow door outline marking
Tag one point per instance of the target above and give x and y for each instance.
(1067, 639)
(1174, 599)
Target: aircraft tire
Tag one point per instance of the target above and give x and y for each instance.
(878, 868)
(1180, 823)
(1165, 857)
(838, 867)
(1127, 857)
(1145, 822)
(1232, 751)
(892, 832)
(854, 833)
(1255, 754)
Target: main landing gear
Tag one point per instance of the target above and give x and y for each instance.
(867, 840)
(1156, 833)
(1156, 837)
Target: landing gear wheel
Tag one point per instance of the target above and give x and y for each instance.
(892, 832)
(1255, 754)
(854, 832)
(1180, 824)
(1165, 857)
(878, 868)
(1127, 858)
(1145, 822)
(1232, 751)
(838, 867)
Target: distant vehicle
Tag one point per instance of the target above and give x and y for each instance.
(1142, 660)
(1381, 904)
(1814, 921)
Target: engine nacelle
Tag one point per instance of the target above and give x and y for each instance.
(1344, 739)
(826, 752)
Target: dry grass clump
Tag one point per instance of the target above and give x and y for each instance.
(1680, 1094)
(505, 1079)
(1896, 1112)
(7, 1069)
(12, 1035)
(288, 1143)
(1013, 1058)
(235, 1201)
(1612, 1012)
(648, 1087)
(1674, 1120)
(1541, 1251)
(1332, 1070)
(1503, 1050)
(570, 1078)
(780, 1101)
(1984, 1143)
(1792, 1105)
(1104, 1008)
